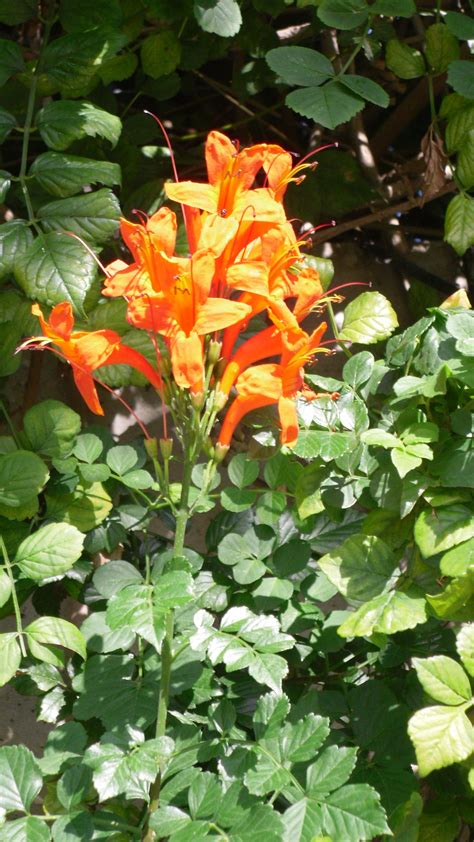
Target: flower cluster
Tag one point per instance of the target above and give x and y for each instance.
(244, 260)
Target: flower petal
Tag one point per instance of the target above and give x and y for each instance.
(87, 388)
(194, 194)
(187, 361)
(288, 421)
(218, 313)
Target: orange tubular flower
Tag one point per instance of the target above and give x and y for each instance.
(280, 384)
(87, 352)
(183, 311)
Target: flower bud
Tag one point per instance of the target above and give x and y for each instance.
(220, 400)
(166, 448)
(220, 451)
(151, 447)
(220, 368)
(214, 351)
(197, 399)
(165, 365)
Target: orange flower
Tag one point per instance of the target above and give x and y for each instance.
(272, 383)
(87, 352)
(182, 309)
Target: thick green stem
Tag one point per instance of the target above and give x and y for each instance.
(16, 604)
(167, 645)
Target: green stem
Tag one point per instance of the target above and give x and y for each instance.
(6, 415)
(16, 604)
(356, 50)
(335, 330)
(29, 118)
(167, 645)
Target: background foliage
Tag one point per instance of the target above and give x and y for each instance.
(322, 684)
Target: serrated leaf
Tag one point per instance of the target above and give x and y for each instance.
(266, 776)
(443, 679)
(221, 17)
(89, 14)
(329, 105)
(405, 61)
(368, 318)
(459, 223)
(437, 531)
(361, 568)
(324, 443)
(118, 68)
(10, 656)
(303, 821)
(15, 238)
(50, 551)
(51, 427)
(271, 710)
(56, 268)
(398, 8)
(354, 812)
(93, 216)
(441, 736)
(461, 78)
(343, 14)
(300, 741)
(300, 65)
(106, 690)
(72, 61)
(441, 47)
(65, 175)
(22, 475)
(53, 630)
(160, 53)
(133, 608)
(465, 646)
(20, 778)
(111, 578)
(27, 829)
(62, 122)
(385, 614)
(331, 770)
(366, 88)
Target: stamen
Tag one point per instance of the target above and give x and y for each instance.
(143, 217)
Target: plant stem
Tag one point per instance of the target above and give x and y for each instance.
(167, 645)
(29, 118)
(335, 330)
(16, 604)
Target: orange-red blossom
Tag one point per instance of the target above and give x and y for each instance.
(244, 260)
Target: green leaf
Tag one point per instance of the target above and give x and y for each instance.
(100, 637)
(122, 459)
(456, 601)
(118, 68)
(361, 568)
(89, 14)
(221, 17)
(271, 710)
(62, 122)
(5, 586)
(173, 589)
(441, 47)
(160, 53)
(462, 26)
(442, 529)
(5, 184)
(72, 61)
(22, 476)
(329, 105)
(300, 741)
(368, 318)
(270, 507)
(56, 268)
(86, 507)
(65, 175)
(20, 778)
(62, 744)
(7, 123)
(459, 223)
(461, 78)
(443, 679)
(358, 369)
(56, 631)
(266, 776)
(15, 238)
(19, 12)
(51, 427)
(133, 608)
(343, 14)
(441, 736)
(379, 438)
(456, 562)
(353, 812)
(242, 471)
(50, 551)
(93, 216)
(106, 690)
(385, 614)
(88, 447)
(394, 8)
(11, 60)
(300, 65)
(10, 657)
(332, 769)
(465, 646)
(303, 821)
(111, 578)
(461, 121)
(366, 88)
(73, 826)
(405, 61)
(27, 829)
(323, 443)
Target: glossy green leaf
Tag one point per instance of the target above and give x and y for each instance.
(72, 61)
(20, 778)
(51, 427)
(405, 61)
(330, 105)
(93, 216)
(221, 17)
(458, 560)
(331, 770)
(443, 679)
(61, 122)
(160, 53)
(10, 656)
(368, 318)
(11, 60)
(441, 47)
(50, 551)
(459, 223)
(303, 821)
(358, 369)
(15, 239)
(323, 443)
(22, 475)
(300, 65)
(441, 736)
(65, 175)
